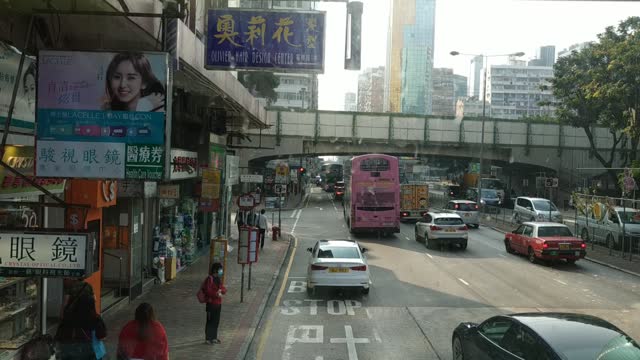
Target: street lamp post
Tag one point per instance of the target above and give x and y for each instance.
(484, 109)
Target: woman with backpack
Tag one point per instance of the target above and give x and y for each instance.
(213, 289)
(144, 337)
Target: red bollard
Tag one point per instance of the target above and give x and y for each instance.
(275, 231)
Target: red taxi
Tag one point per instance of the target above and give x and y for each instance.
(545, 241)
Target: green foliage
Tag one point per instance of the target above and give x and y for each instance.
(600, 86)
(261, 84)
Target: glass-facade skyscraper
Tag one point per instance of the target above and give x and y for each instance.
(409, 67)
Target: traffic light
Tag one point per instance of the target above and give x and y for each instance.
(302, 171)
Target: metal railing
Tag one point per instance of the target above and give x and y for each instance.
(119, 270)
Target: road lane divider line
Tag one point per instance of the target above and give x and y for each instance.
(368, 313)
(464, 282)
(560, 282)
(424, 334)
(377, 336)
(406, 237)
(429, 255)
(286, 273)
(293, 214)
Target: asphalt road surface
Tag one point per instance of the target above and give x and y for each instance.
(420, 295)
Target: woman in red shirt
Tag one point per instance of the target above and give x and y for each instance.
(213, 290)
(143, 338)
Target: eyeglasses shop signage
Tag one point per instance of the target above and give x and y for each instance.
(40, 254)
(101, 115)
(184, 164)
(22, 159)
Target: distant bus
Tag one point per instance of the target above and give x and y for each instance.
(330, 173)
(372, 194)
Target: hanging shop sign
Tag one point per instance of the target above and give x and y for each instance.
(24, 109)
(90, 125)
(184, 164)
(150, 189)
(262, 39)
(232, 171)
(22, 158)
(282, 173)
(246, 202)
(130, 189)
(250, 178)
(169, 191)
(43, 254)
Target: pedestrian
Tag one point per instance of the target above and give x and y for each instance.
(262, 225)
(143, 338)
(239, 219)
(81, 330)
(213, 290)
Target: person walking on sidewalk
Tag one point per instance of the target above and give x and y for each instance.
(144, 337)
(262, 225)
(213, 290)
(239, 219)
(81, 326)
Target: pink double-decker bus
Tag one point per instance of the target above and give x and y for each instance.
(372, 194)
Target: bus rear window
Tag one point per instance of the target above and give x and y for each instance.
(374, 164)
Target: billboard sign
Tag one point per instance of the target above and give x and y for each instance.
(22, 158)
(275, 40)
(101, 114)
(24, 109)
(43, 254)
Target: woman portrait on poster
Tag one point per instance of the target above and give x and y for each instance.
(29, 87)
(132, 86)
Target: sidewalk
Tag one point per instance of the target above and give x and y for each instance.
(595, 253)
(177, 307)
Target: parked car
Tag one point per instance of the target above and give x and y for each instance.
(605, 226)
(535, 209)
(338, 263)
(466, 209)
(442, 228)
(547, 241)
(490, 201)
(542, 336)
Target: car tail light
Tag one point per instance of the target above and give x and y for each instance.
(404, 214)
(435, 228)
(451, 193)
(463, 228)
(457, 206)
(359, 268)
(545, 245)
(477, 207)
(318, 267)
(583, 245)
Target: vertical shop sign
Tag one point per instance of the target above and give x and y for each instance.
(24, 110)
(101, 114)
(233, 175)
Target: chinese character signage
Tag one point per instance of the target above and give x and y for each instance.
(184, 164)
(282, 173)
(21, 158)
(24, 109)
(263, 39)
(169, 191)
(40, 254)
(101, 115)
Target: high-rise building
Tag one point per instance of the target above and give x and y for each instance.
(443, 92)
(545, 56)
(350, 101)
(570, 49)
(295, 90)
(410, 56)
(515, 91)
(459, 86)
(371, 90)
(477, 64)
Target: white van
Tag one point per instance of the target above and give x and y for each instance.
(535, 209)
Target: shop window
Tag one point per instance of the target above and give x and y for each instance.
(18, 311)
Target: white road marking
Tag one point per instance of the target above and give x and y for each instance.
(350, 341)
(560, 281)
(320, 209)
(464, 282)
(377, 336)
(406, 237)
(305, 336)
(319, 357)
(368, 313)
(297, 287)
(429, 255)
(296, 222)
(293, 214)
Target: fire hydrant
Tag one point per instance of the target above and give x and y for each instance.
(275, 232)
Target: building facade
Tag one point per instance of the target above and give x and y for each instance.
(545, 56)
(459, 86)
(350, 102)
(471, 107)
(371, 90)
(515, 91)
(410, 44)
(477, 64)
(572, 48)
(443, 92)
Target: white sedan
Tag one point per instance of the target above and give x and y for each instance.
(338, 263)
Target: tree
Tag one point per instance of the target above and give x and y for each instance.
(260, 84)
(599, 86)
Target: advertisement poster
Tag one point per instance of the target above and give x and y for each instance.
(24, 111)
(184, 164)
(22, 158)
(265, 39)
(101, 114)
(40, 254)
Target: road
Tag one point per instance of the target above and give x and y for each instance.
(419, 295)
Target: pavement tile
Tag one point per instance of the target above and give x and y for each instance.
(183, 317)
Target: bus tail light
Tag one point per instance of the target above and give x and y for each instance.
(404, 214)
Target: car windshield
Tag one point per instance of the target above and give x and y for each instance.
(630, 217)
(341, 252)
(489, 194)
(544, 205)
(447, 221)
(551, 231)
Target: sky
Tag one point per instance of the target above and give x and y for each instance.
(468, 26)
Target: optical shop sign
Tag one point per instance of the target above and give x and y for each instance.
(40, 254)
(101, 115)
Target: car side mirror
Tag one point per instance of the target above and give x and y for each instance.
(310, 249)
(364, 250)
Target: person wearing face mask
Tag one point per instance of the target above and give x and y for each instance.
(213, 289)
